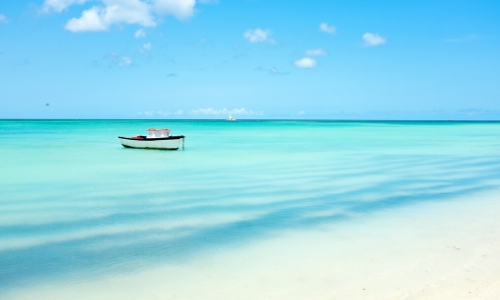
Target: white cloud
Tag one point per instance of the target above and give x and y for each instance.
(59, 5)
(163, 113)
(305, 63)
(258, 35)
(116, 11)
(140, 34)
(109, 12)
(89, 21)
(316, 52)
(3, 19)
(373, 39)
(224, 111)
(327, 28)
(146, 47)
(179, 8)
(150, 113)
(118, 60)
(125, 61)
(300, 113)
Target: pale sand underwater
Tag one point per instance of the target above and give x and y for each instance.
(251, 210)
(445, 250)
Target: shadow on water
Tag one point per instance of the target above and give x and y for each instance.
(57, 260)
(406, 179)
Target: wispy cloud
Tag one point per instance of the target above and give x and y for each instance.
(467, 38)
(162, 113)
(218, 112)
(109, 12)
(141, 33)
(125, 61)
(116, 60)
(272, 71)
(3, 19)
(373, 39)
(316, 52)
(113, 60)
(146, 47)
(275, 71)
(305, 63)
(327, 28)
(147, 113)
(197, 43)
(258, 35)
(59, 5)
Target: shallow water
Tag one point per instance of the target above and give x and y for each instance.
(75, 204)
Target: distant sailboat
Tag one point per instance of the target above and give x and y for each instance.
(230, 118)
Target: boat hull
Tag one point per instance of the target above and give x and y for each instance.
(167, 143)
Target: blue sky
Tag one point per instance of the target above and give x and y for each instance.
(255, 59)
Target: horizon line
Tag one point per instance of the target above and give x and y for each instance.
(245, 119)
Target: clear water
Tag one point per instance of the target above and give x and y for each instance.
(75, 204)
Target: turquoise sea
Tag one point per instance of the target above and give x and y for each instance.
(76, 206)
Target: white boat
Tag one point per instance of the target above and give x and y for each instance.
(230, 118)
(155, 139)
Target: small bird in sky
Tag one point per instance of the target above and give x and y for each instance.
(47, 104)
